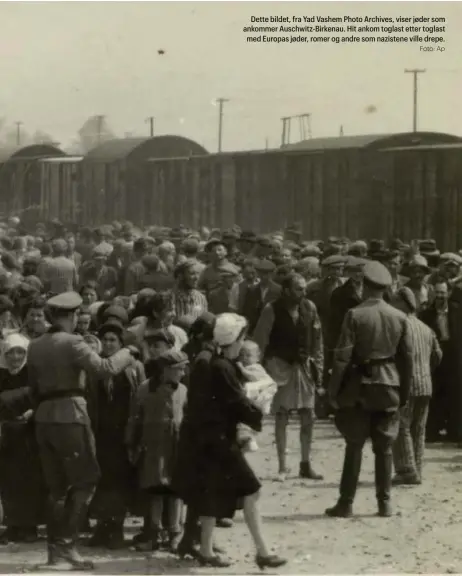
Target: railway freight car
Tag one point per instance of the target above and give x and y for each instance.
(61, 189)
(113, 184)
(330, 185)
(20, 179)
(423, 198)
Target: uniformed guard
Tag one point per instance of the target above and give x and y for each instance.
(57, 361)
(371, 379)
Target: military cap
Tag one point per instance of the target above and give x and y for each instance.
(263, 265)
(334, 260)
(68, 301)
(375, 273)
(407, 295)
(173, 358)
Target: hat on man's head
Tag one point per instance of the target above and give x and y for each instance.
(377, 275)
(67, 301)
(173, 359)
(334, 261)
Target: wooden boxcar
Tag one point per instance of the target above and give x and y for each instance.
(426, 194)
(61, 190)
(113, 185)
(20, 179)
(341, 186)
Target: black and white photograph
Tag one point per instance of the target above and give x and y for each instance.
(230, 287)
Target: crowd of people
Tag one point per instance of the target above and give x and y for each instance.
(128, 356)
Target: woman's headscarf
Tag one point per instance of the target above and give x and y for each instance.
(11, 341)
(228, 328)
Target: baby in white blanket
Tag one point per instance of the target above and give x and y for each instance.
(259, 387)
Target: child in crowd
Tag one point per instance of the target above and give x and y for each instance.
(259, 387)
(152, 440)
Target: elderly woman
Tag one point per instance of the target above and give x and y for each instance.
(222, 480)
(21, 486)
(109, 404)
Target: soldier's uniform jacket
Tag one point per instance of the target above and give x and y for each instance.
(374, 350)
(57, 362)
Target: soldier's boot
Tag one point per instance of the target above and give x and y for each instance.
(348, 483)
(66, 550)
(383, 483)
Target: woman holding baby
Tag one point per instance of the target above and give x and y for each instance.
(222, 480)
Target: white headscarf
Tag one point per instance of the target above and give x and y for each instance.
(228, 328)
(11, 341)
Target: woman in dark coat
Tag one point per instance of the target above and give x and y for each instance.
(109, 404)
(22, 488)
(219, 479)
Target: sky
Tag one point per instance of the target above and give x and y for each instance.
(62, 62)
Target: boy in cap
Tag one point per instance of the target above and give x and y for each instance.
(219, 298)
(56, 361)
(371, 378)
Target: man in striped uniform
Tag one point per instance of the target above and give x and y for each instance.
(409, 446)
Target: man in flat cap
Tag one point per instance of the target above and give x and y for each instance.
(61, 273)
(97, 270)
(417, 269)
(408, 450)
(56, 363)
(219, 298)
(135, 270)
(261, 294)
(217, 257)
(371, 379)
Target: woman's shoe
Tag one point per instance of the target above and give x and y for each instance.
(271, 561)
(213, 562)
(185, 549)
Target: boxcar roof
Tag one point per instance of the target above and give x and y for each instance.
(158, 147)
(453, 145)
(373, 140)
(32, 151)
(64, 159)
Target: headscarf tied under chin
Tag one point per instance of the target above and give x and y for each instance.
(15, 340)
(228, 328)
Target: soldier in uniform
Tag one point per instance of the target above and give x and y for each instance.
(57, 362)
(371, 379)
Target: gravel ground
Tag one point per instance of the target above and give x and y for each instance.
(422, 537)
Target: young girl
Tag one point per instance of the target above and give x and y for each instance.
(259, 386)
(159, 415)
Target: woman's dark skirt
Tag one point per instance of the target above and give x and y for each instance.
(212, 475)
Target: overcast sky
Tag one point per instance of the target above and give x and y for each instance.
(62, 62)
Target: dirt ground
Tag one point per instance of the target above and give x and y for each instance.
(422, 537)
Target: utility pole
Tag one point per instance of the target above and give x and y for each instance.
(18, 133)
(221, 102)
(415, 72)
(151, 125)
(99, 127)
(341, 130)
